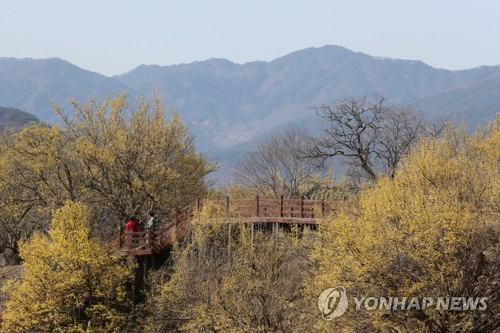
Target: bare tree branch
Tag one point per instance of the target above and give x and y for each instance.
(370, 136)
(275, 167)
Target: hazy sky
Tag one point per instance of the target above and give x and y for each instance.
(114, 36)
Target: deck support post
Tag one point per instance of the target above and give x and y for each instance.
(229, 236)
(145, 274)
(119, 238)
(251, 234)
(281, 206)
(302, 207)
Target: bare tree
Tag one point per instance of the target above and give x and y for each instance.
(371, 136)
(275, 168)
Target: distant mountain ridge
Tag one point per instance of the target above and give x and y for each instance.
(14, 118)
(226, 103)
(32, 84)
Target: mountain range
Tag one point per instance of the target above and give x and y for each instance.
(226, 104)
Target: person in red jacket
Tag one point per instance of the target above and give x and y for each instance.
(131, 226)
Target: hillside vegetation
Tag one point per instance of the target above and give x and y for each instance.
(15, 118)
(429, 231)
(416, 217)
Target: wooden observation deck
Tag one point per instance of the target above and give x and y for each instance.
(256, 210)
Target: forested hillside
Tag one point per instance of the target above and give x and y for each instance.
(15, 118)
(415, 218)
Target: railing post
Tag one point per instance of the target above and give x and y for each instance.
(227, 207)
(322, 207)
(197, 205)
(251, 234)
(302, 207)
(229, 236)
(257, 205)
(281, 206)
(119, 237)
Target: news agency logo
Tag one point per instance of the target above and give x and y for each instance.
(332, 303)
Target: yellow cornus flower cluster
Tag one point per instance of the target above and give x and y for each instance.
(69, 283)
(428, 232)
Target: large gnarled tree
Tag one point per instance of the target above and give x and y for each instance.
(371, 136)
(117, 157)
(135, 158)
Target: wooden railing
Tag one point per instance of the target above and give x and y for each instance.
(284, 208)
(255, 210)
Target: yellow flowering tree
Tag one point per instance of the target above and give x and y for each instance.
(135, 157)
(69, 283)
(120, 158)
(37, 174)
(431, 231)
(227, 278)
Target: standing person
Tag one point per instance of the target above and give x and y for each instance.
(151, 225)
(130, 227)
(152, 221)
